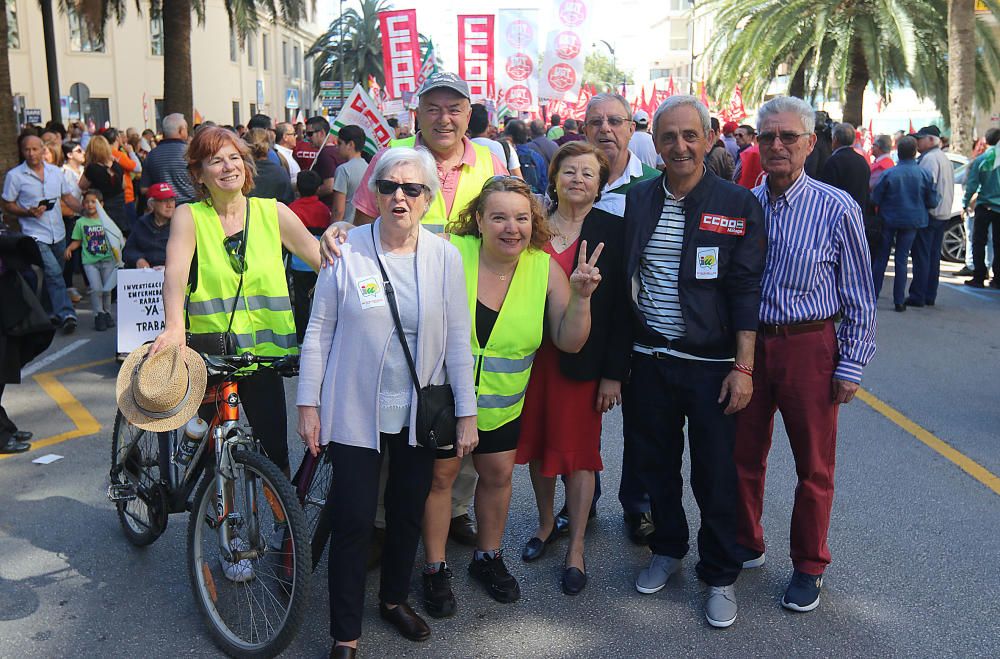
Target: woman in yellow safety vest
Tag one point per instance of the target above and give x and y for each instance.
(230, 246)
(512, 287)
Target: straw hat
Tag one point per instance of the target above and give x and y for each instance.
(162, 392)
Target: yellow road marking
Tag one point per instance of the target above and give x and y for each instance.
(968, 465)
(84, 422)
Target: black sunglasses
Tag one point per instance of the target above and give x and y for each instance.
(787, 137)
(310, 133)
(236, 249)
(412, 190)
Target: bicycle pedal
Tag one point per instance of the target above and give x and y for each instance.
(121, 492)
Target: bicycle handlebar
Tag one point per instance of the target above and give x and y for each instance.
(287, 365)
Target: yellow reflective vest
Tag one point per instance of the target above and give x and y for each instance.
(470, 184)
(263, 322)
(503, 366)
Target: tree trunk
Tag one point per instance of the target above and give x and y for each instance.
(177, 91)
(797, 83)
(961, 72)
(857, 81)
(8, 122)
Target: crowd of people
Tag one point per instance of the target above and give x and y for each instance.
(692, 273)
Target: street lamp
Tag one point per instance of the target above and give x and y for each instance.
(614, 61)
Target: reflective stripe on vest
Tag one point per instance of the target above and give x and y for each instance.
(503, 366)
(470, 184)
(263, 322)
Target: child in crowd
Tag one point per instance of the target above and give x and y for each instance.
(316, 216)
(98, 260)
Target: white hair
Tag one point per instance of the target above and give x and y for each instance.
(420, 158)
(173, 124)
(682, 100)
(609, 96)
(780, 104)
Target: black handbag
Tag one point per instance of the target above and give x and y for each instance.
(219, 343)
(436, 425)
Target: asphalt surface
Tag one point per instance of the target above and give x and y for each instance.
(914, 537)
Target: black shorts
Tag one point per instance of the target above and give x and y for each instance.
(502, 439)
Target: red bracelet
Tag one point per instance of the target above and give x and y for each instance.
(743, 368)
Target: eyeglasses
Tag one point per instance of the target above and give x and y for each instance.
(412, 190)
(614, 122)
(787, 137)
(235, 248)
(310, 133)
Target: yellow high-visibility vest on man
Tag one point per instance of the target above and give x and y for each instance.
(503, 365)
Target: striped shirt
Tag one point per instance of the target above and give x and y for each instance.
(818, 265)
(658, 299)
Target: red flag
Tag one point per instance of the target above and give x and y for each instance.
(671, 90)
(912, 129)
(651, 103)
(735, 111)
(475, 54)
(702, 94)
(400, 51)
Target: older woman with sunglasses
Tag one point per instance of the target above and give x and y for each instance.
(224, 273)
(356, 392)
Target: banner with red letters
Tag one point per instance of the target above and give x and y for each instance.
(361, 110)
(517, 52)
(475, 54)
(564, 53)
(400, 51)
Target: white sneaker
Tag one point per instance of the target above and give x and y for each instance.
(241, 571)
(720, 607)
(276, 541)
(654, 577)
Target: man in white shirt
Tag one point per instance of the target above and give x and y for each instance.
(284, 143)
(641, 143)
(479, 126)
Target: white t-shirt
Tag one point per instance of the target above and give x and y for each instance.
(293, 165)
(642, 146)
(512, 163)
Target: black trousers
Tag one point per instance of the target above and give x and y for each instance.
(354, 488)
(7, 427)
(659, 396)
(984, 219)
(302, 285)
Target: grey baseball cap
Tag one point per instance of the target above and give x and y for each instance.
(446, 80)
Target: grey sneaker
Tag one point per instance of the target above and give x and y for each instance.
(749, 557)
(720, 607)
(655, 576)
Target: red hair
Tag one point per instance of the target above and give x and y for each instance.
(208, 141)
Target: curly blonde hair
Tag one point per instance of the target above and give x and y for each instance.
(466, 224)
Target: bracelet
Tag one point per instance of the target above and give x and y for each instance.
(743, 368)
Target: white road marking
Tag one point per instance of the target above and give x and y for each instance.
(55, 356)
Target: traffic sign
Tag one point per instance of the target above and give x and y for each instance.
(33, 116)
(292, 99)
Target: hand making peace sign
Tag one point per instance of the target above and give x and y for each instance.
(587, 275)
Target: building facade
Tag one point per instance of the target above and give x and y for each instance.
(119, 80)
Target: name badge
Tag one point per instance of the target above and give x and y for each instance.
(370, 292)
(707, 263)
(730, 226)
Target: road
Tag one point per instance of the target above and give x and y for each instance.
(915, 567)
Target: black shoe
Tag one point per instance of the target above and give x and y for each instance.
(535, 547)
(343, 652)
(910, 302)
(573, 581)
(975, 283)
(463, 530)
(802, 593)
(23, 435)
(929, 303)
(406, 621)
(900, 307)
(375, 548)
(69, 325)
(109, 319)
(493, 574)
(14, 445)
(562, 519)
(439, 600)
(640, 527)
(100, 324)
(966, 271)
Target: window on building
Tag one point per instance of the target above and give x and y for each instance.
(233, 46)
(251, 51)
(158, 109)
(265, 50)
(81, 38)
(680, 5)
(284, 58)
(253, 109)
(296, 61)
(678, 35)
(155, 32)
(660, 73)
(100, 112)
(236, 113)
(13, 36)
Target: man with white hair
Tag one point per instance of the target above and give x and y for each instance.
(927, 247)
(818, 266)
(167, 163)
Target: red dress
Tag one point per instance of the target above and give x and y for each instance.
(559, 425)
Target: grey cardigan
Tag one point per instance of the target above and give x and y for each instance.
(351, 326)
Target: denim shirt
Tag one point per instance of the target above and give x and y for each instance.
(904, 195)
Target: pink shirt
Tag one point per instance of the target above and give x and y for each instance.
(364, 199)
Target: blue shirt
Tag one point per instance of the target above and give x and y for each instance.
(818, 265)
(23, 187)
(904, 195)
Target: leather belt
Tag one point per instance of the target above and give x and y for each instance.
(794, 328)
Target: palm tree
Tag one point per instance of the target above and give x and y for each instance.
(362, 46)
(961, 71)
(839, 47)
(8, 124)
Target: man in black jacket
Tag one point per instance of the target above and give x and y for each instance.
(694, 252)
(847, 170)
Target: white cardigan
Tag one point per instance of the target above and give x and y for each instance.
(351, 326)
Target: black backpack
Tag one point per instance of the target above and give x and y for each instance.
(532, 170)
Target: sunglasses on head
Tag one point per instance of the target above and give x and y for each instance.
(412, 190)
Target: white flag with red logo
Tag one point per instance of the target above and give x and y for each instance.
(475, 54)
(517, 51)
(564, 53)
(361, 110)
(400, 51)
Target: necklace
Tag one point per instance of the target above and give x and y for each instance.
(504, 276)
(563, 239)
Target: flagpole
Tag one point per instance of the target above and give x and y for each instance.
(321, 147)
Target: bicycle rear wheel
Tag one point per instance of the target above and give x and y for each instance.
(136, 487)
(254, 605)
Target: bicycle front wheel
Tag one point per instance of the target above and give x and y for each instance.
(253, 603)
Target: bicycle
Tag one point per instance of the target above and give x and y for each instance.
(312, 483)
(246, 544)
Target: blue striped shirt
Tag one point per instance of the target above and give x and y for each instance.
(817, 265)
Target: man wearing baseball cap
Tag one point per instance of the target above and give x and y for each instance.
(443, 113)
(147, 244)
(927, 246)
(641, 143)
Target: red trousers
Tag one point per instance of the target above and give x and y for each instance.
(792, 374)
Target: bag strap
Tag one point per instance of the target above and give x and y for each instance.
(239, 287)
(391, 296)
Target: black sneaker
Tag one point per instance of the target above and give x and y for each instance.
(802, 593)
(100, 324)
(438, 598)
(493, 574)
(69, 325)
